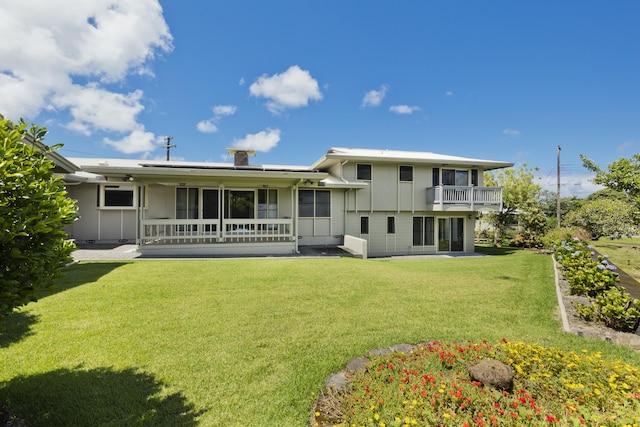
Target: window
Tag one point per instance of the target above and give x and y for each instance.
(306, 201)
(406, 173)
(239, 204)
(187, 203)
(435, 177)
(391, 225)
(364, 225)
(474, 177)
(314, 203)
(455, 177)
(116, 196)
(209, 204)
(323, 203)
(363, 172)
(423, 231)
(268, 204)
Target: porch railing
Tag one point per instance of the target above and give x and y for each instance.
(194, 231)
(473, 197)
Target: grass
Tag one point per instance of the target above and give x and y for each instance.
(249, 342)
(624, 252)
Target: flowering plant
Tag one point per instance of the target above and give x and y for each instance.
(431, 386)
(595, 277)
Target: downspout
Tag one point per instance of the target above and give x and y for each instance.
(294, 207)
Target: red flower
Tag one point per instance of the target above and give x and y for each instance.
(551, 419)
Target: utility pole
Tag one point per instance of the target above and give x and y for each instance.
(558, 193)
(168, 146)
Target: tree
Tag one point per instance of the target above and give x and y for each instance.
(33, 212)
(520, 194)
(622, 175)
(604, 218)
(549, 205)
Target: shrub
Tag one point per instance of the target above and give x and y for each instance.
(614, 308)
(33, 211)
(610, 305)
(585, 275)
(555, 236)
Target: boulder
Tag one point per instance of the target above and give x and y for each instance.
(492, 373)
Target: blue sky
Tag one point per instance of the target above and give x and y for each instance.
(498, 80)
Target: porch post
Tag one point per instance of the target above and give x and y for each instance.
(221, 207)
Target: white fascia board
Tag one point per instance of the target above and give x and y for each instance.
(410, 157)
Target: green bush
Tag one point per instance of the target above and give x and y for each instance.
(555, 236)
(610, 305)
(585, 275)
(33, 211)
(614, 308)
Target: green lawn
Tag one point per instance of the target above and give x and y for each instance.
(248, 342)
(624, 252)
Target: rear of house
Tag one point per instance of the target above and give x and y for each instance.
(393, 202)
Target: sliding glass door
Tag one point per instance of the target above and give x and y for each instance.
(451, 234)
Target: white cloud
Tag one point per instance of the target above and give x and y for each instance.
(448, 93)
(137, 141)
(579, 185)
(95, 108)
(207, 126)
(63, 55)
(224, 110)
(291, 89)
(241, 82)
(261, 141)
(625, 145)
(219, 111)
(373, 98)
(403, 109)
(512, 132)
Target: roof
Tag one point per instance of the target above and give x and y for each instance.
(335, 155)
(173, 170)
(89, 164)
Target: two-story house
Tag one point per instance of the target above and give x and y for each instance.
(376, 202)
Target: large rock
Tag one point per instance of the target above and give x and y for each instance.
(492, 373)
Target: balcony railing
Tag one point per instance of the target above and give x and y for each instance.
(472, 197)
(195, 231)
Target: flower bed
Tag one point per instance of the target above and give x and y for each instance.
(430, 385)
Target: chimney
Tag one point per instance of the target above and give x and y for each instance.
(241, 156)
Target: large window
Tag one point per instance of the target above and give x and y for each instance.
(456, 177)
(116, 196)
(363, 172)
(406, 173)
(190, 199)
(423, 231)
(239, 204)
(314, 203)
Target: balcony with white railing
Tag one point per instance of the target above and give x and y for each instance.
(215, 231)
(472, 198)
